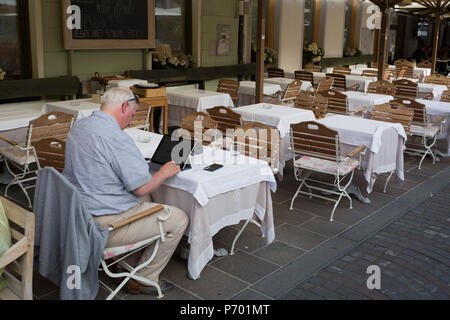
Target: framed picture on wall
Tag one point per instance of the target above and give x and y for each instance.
(223, 39)
(93, 24)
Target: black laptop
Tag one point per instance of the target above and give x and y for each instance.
(178, 150)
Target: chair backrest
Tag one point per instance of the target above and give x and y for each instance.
(400, 72)
(312, 68)
(437, 79)
(225, 117)
(420, 114)
(405, 88)
(50, 153)
(198, 126)
(369, 73)
(409, 73)
(292, 90)
(317, 104)
(304, 75)
(229, 86)
(342, 70)
(382, 87)
(425, 64)
(142, 118)
(325, 84)
(310, 138)
(387, 74)
(394, 113)
(337, 101)
(275, 73)
(402, 62)
(339, 82)
(445, 97)
(53, 124)
(258, 141)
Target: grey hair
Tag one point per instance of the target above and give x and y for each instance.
(116, 97)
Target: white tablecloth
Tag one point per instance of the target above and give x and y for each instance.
(436, 89)
(125, 83)
(436, 109)
(284, 82)
(213, 200)
(349, 80)
(383, 140)
(247, 90)
(18, 115)
(358, 99)
(280, 117)
(80, 108)
(185, 101)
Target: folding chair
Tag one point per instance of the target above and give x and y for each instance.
(445, 97)
(337, 102)
(275, 73)
(382, 87)
(342, 70)
(425, 64)
(369, 73)
(316, 148)
(200, 127)
(340, 82)
(304, 75)
(421, 127)
(231, 87)
(317, 104)
(312, 68)
(405, 89)
(438, 79)
(225, 118)
(21, 156)
(286, 97)
(50, 152)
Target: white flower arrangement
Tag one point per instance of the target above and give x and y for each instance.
(312, 52)
(2, 74)
(270, 54)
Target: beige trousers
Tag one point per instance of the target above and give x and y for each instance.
(145, 229)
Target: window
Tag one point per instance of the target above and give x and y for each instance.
(173, 24)
(14, 42)
(310, 12)
(348, 24)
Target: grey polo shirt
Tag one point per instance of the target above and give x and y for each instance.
(104, 164)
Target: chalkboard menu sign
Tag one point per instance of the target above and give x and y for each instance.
(108, 24)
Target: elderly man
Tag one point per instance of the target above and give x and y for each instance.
(104, 164)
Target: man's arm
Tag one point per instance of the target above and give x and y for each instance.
(168, 170)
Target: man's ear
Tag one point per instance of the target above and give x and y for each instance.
(125, 107)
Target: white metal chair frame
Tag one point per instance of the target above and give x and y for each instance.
(338, 180)
(128, 250)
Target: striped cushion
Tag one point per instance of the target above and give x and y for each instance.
(17, 155)
(327, 166)
(430, 131)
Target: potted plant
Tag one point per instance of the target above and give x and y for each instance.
(312, 53)
(2, 74)
(270, 55)
(164, 59)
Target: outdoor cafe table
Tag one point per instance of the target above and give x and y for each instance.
(436, 109)
(247, 90)
(384, 142)
(80, 108)
(417, 72)
(213, 200)
(436, 89)
(358, 99)
(350, 80)
(186, 101)
(284, 82)
(280, 117)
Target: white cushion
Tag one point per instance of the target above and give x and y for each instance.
(109, 253)
(310, 163)
(17, 155)
(430, 131)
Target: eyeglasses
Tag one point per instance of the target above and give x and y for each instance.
(136, 98)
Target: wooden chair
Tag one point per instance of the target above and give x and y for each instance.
(287, 96)
(375, 65)
(405, 89)
(340, 82)
(316, 148)
(312, 68)
(231, 87)
(425, 64)
(317, 104)
(445, 97)
(259, 141)
(50, 153)
(394, 113)
(382, 87)
(142, 118)
(438, 79)
(18, 259)
(275, 73)
(421, 127)
(369, 73)
(325, 84)
(304, 76)
(21, 156)
(342, 70)
(338, 102)
(402, 62)
(399, 72)
(199, 126)
(225, 118)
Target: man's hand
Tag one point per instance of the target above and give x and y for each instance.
(169, 170)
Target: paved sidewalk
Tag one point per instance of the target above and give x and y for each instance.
(413, 254)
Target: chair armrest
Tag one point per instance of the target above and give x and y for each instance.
(438, 120)
(356, 151)
(354, 86)
(138, 216)
(9, 141)
(14, 252)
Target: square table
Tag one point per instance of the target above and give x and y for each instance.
(358, 99)
(188, 100)
(436, 89)
(384, 142)
(349, 80)
(80, 108)
(214, 200)
(284, 82)
(280, 117)
(247, 91)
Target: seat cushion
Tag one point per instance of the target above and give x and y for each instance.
(17, 155)
(316, 164)
(430, 131)
(109, 253)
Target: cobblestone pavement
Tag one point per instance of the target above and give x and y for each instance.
(413, 255)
